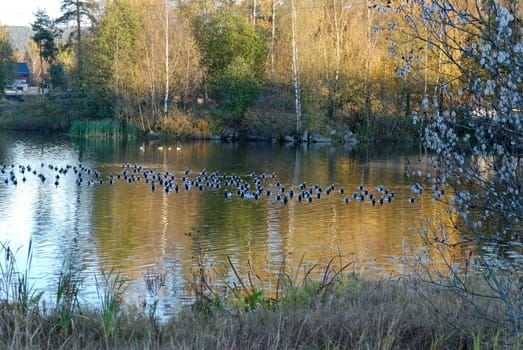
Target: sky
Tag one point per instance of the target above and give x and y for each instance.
(21, 12)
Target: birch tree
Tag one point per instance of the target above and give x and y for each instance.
(295, 68)
(336, 13)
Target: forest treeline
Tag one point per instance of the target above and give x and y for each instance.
(262, 68)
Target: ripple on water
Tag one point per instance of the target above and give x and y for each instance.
(129, 228)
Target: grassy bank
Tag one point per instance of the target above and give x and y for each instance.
(35, 113)
(357, 315)
(78, 115)
(336, 310)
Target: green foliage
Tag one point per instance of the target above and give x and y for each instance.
(247, 296)
(115, 39)
(45, 33)
(269, 117)
(298, 290)
(8, 272)
(154, 280)
(383, 129)
(393, 129)
(57, 77)
(238, 86)
(72, 10)
(96, 103)
(111, 55)
(27, 295)
(226, 36)
(37, 113)
(6, 58)
(234, 54)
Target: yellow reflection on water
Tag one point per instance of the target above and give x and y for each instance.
(130, 228)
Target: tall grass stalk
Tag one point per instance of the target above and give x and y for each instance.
(249, 295)
(27, 295)
(8, 272)
(20, 298)
(68, 288)
(15, 286)
(154, 280)
(110, 289)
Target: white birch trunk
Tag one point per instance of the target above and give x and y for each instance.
(295, 70)
(166, 97)
(254, 4)
(273, 36)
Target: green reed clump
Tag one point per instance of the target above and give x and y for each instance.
(103, 128)
(67, 302)
(110, 288)
(16, 290)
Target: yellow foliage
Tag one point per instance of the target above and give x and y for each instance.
(203, 126)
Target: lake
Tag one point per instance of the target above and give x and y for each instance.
(138, 207)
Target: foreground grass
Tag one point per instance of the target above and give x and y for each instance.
(349, 314)
(326, 309)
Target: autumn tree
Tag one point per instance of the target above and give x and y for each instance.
(112, 59)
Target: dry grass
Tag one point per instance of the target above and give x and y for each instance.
(355, 314)
(333, 310)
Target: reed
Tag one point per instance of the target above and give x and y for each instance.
(103, 128)
(110, 287)
(154, 279)
(68, 289)
(8, 271)
(16, 289)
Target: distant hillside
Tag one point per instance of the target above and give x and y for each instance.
(19, 35)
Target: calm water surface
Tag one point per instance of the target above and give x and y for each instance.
(128, 227)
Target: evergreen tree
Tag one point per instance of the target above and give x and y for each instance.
(78, 11)
(45, 33)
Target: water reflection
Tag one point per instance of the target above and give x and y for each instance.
(129, 227)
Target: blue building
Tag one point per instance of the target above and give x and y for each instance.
(22, 76)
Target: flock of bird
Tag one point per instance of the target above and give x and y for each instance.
(252, 186)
